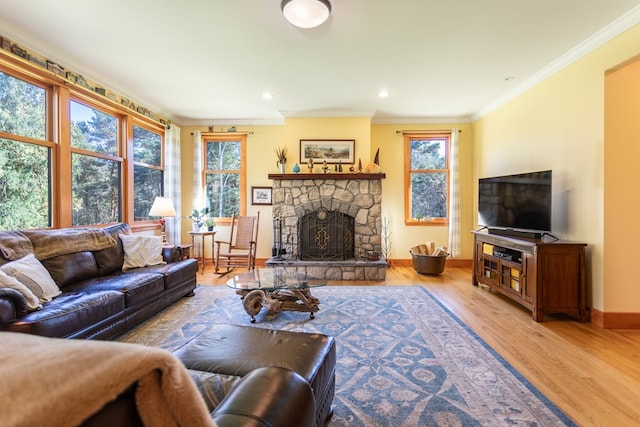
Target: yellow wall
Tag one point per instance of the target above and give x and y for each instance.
(261, 161)
(559, 125)
(357, 128)
(621, 197)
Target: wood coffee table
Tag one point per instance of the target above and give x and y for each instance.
(276, 289)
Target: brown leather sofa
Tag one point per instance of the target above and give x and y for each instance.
(251, 377)
(248, 376)
(98, 300)
(224, 354)
(266, 397)
(99, 384)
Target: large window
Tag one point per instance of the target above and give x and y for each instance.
(224, 175)
(70, 157)
(96, 165)
(426, 179)
(25, 155)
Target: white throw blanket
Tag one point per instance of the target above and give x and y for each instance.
(58, 382)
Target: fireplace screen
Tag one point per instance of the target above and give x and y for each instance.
(326, 235)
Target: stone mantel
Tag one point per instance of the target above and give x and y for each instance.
(334, 175)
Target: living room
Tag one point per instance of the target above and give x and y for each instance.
(501, 139)
(573, 117)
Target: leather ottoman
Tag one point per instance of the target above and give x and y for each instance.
(237, 350)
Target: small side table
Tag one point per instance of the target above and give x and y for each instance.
(199, 248)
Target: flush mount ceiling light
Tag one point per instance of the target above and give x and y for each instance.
(306, 13)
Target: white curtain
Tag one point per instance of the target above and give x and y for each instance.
(198, 194)
(454, 196)
(172, 181)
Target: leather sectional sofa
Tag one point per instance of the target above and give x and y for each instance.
(247, 376)
(98, 299)
(243, 376)
(225, 356)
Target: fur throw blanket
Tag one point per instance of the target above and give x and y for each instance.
(14, 245)
(45, 244)
(58, 382)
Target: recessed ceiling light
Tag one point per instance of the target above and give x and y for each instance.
(383, 94)
(267, 95)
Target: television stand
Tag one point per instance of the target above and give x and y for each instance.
(545, 277)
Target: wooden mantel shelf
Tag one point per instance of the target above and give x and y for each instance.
(331, 175)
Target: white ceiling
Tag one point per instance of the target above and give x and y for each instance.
(202, 62)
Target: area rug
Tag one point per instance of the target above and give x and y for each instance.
(403, 359)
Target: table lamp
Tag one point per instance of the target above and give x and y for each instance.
(162, 207)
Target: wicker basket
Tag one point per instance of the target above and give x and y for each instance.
(428, 264)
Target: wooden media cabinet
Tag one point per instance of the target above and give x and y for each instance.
(545, 277)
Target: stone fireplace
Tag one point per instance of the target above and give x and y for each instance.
(330, 224)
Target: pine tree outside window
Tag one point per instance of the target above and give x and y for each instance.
(148, 171)
(224, 175)
(25, 154)
(96, 165)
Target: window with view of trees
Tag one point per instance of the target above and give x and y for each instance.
(70, 157)
(148, 174)
(96, 165)
(224, 175)
(25, 154)
(426, 178)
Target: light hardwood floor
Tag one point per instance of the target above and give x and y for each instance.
(592, 374)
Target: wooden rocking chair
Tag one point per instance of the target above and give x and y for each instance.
(240, 250)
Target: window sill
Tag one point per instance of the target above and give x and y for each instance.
(144, 226)
(429, 223)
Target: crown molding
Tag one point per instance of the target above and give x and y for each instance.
(327, 113)
(434, 120)
(609, 32)
(389, 120)
(229, 122)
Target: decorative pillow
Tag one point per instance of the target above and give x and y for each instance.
(31, 273)
(141, 250)
(33, 303)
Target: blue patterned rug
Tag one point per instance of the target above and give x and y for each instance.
(403, 358)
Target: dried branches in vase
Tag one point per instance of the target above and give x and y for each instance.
(281, 155)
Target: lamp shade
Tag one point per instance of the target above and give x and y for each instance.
(162, 206)
(306, 13)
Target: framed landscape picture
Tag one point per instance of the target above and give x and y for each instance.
(261, 195)
(327, 150)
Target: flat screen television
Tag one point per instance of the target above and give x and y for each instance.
(520, 202)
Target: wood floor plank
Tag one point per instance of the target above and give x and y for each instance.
(592, 374)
